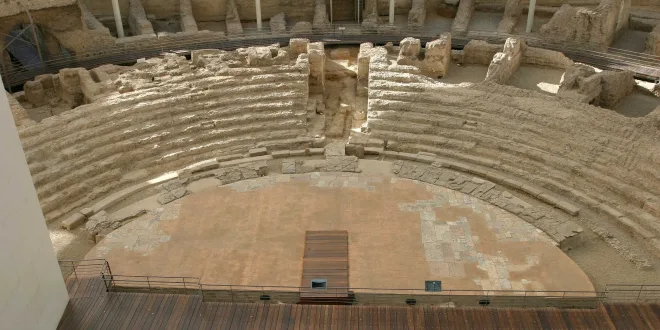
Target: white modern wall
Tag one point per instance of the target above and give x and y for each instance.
(32, 291)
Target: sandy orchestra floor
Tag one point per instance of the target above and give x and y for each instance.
(401, 233)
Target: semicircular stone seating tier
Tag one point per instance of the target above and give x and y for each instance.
(589, 154)
(161, 115)
(166, 113)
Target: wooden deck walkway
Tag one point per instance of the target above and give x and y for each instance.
(326, 257)
(90, 307)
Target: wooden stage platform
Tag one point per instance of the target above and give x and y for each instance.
(90, 307)
(325, 258)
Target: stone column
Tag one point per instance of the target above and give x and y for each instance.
(257, 5)
(391, 12)
(530, 15)
(118, 23)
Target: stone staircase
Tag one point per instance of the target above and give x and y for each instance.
(166, 114)
(587, 154)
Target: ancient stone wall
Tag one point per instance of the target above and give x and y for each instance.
(566, 148)
(582, 83)
(653, 41)
(417, 14)
(188, 22)
(589, 27)
(160, 115)
(137, 19)
(506, 63)
(463, 16)
(512, 13)
(65, 24)
(9, 8)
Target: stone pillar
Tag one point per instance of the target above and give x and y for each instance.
(118, 23)
(257, 5)
(391, 12)
(32, 293)
(530, 15)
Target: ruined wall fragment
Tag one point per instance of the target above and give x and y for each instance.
(232, 19)
(512, 13)
(437, 56)
(653, 41)
(188, 22)
(461, 23)
(417, 14)
(506, 63)
(137, 19)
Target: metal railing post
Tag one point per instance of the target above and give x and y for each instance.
(148, 284)
(640, 292)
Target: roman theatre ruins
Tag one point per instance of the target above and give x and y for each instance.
(496, 147)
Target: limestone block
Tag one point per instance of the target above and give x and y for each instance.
(437, 56)
(137, 19)
(479, 52)
(653, 41)
(592, 28)
(69, 81)
(512, 12)
(35, 94)
(298, 46)
(335, 149)
(204, 166)
(316, 62)
(370, 18)
(409, 49)
(188, 22)
(278, 24)
(363, 61)
(259, 56)
(232, 19)
(340, 164)
(320, 21)
(546, 57)
(615, 87)
(288, 166)
(74, 221)
(258, 151)
(506, 63)
(89, 88)
(463, 16)
(302, 28)
(102, 221)
(417, 14)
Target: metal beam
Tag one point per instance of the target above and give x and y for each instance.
(530, 15)
(34, 36)
(257, 5)
(391, 12)
(118, 23)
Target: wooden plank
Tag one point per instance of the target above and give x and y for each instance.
(116, 311)
(238, 315)
(209, 315)
(131, 314)
(150, 317)
(189, 312)
(225, 315)
(177, 312)
(278, 317)
(142, 314)
(163, 313)
(196, 323)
